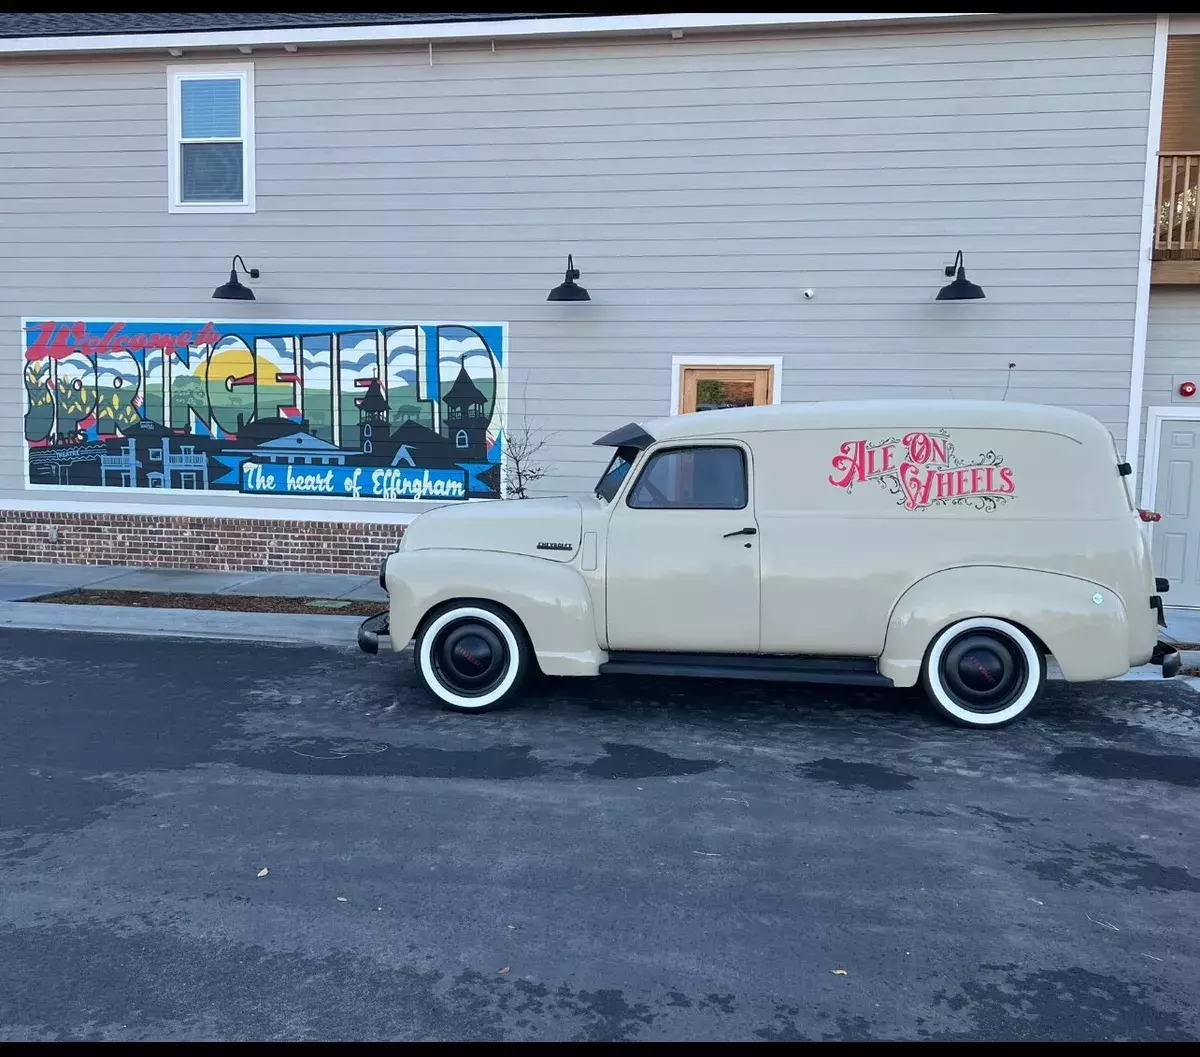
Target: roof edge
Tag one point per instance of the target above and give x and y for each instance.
(433, 31)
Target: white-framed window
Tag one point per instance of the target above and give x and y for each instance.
(461, 440)
(210, 124)
(699, 383)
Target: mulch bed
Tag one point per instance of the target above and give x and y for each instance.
(224, 603)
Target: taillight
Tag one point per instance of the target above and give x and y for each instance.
(1149, 515)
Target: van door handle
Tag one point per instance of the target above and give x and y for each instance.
(749, 531)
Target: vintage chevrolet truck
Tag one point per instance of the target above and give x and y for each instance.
(954, 544)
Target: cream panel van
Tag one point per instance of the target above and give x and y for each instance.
(955, 544)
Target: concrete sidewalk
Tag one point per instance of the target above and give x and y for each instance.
(1183, 625)
(20, 581)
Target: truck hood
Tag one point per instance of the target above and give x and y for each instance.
(543, 528)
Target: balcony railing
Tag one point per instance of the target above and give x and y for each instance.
(1178, 235)
(186, 461)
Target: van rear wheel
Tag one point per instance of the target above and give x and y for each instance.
(472, 657)
(983, 673)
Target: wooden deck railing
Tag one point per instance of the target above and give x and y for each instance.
(1178, 233)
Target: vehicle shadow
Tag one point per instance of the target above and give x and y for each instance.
(1106, 709)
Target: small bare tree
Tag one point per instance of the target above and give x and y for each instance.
(523, 447)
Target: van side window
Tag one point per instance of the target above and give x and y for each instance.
(692, 479)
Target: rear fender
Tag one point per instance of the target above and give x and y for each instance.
(550, 599)
(1088, 638)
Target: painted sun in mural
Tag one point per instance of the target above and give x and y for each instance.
(237, 363)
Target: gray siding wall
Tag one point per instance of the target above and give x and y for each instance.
(1172, 349)
(701, 184)
(1172, 344)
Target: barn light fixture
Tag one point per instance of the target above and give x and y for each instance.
(961, 289)
(235, 290)
(568, 289)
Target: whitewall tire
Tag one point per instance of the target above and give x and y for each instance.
(983, 672)
(471, 657)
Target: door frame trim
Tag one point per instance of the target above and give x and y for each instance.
(1149, 222)
(1155, 417)
(678, 363)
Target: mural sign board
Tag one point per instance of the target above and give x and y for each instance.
(397, 411)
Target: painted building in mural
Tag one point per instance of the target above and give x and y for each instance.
(762, 206)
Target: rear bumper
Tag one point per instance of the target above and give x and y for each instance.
(1169, 657)
(371, 630)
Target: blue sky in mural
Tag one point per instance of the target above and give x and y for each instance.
(357, 363)
(483, 357)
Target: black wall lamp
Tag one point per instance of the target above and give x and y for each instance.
(961, 289)
(235, 290)
(568, 289)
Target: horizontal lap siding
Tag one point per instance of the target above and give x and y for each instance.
(1172, 349)
(701, 184)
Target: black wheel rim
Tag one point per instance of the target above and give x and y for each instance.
(470, 657)
(983, 671)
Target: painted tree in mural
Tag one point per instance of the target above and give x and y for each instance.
(75, 402)
(113, 412)
(187, 391)
(39, 418)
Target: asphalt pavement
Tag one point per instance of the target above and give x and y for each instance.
(222, 840)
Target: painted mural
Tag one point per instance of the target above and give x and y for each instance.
(398, 411)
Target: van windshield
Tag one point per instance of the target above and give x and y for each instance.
(610, 481)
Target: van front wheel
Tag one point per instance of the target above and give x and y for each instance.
(472, 657)
(983, 672)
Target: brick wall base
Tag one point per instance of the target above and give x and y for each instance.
(225, 543)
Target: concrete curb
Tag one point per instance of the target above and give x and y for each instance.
(294, 628)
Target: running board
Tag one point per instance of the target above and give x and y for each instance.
(849, 671)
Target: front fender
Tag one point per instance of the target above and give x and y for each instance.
(549, 598)
(1089, 639)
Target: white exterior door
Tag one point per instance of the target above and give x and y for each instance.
(1175, 540)
(682, 555)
